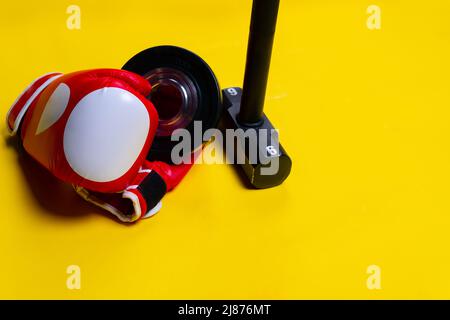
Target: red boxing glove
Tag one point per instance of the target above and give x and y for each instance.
(94, 129)
(144, 193)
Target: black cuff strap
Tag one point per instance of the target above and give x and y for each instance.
(153, 188)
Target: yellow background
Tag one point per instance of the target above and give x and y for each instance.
(364, 114)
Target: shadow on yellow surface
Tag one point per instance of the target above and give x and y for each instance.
(52, 195)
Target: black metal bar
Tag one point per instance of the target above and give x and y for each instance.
(259, 52)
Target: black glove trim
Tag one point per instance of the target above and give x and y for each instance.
(153, 188)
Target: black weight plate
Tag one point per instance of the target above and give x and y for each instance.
(170, 61)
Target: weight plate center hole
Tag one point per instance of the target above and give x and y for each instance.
(168, 100)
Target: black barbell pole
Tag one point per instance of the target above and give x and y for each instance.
(259, 52)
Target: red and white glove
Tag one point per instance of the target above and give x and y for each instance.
(94, 129)
(144, 193)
